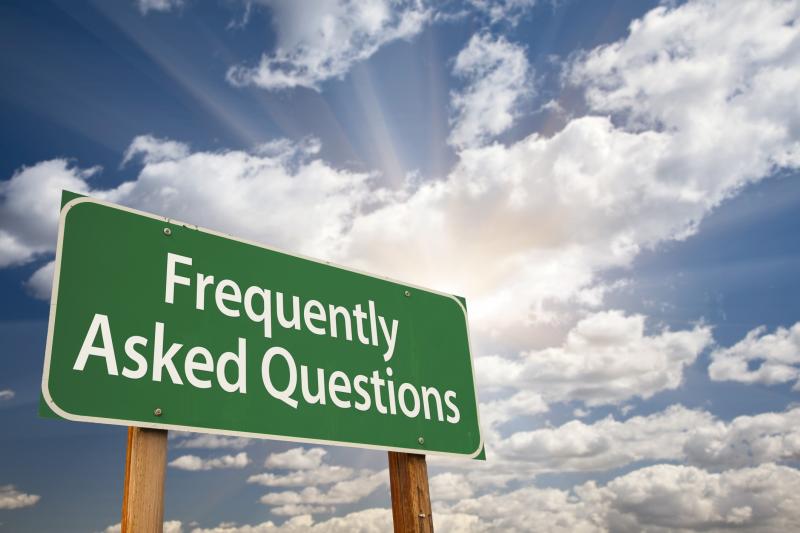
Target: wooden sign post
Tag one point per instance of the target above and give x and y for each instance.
(145, 468)
(411, 501)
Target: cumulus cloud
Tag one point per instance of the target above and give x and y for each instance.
(746, 440)
(29, 204)
(524, 402)
(195, 463)
(681, 115)
(365, 521)
(449, 486)
(606, 444)
(764, 498)
(155, 150)
(323, 40)
(262, 195)
(321, 475)
(761, 357)
(145, 6)
(40, 284)
(342, 492)
(497, 77)
(676, 434)
(296, 459)
(6, 394)
(11, 498)
(510, 11)
(169, 526)
(607, 358)
(523, 227)
(213, 442)
(655, 498)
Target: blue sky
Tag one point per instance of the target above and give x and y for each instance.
(612, 185)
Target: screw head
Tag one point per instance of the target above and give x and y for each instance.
(407, 293)
(167, 232)
(421, 440)
(157, 411)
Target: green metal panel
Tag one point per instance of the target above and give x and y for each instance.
(112, 261)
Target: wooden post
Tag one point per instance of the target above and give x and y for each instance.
(143, 495)
(411, 501)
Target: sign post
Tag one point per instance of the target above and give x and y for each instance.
(145, 469)
(411, 501)
(157, 325)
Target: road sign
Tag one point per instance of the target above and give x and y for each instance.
(156, 323)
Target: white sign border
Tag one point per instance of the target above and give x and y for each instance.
(154, 425)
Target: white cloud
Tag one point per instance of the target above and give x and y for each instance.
(680, 497)
(504, 10)
(497, 412)
(719, 78)
(677, 434)
(498, 81)
(296, 459)
(29, 204)
(606, 359)
(212, 442)
(295, 510)
(539, 218)
(319, 475)
(259, 196)
(40, 284)
(656, 498)
(6, 394)
(155, 150)
(746, 440)
(11, 498)
(321, 40)
(342, 492)
(606, 444)
(516, 511)
(195, 463)
(776, 357)
(169, 526)
(449, 486)
(520, 228)
(365, 521)
(145, 6)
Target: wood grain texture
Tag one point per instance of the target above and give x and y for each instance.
(145, 468)
(411, 501)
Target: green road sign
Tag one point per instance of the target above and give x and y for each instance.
(161, 324)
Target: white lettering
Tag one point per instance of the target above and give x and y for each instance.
(391, 338)
(266, 310)
(172, 278)
(220, 297)
(190, 366)
(99, 323)
(240, 359)
(141, 362)
(313, 310)
(283, 395)
(335, 388)
(162, 360)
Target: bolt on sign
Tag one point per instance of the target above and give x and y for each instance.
(161, 324)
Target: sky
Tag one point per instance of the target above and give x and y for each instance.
(612, 185)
